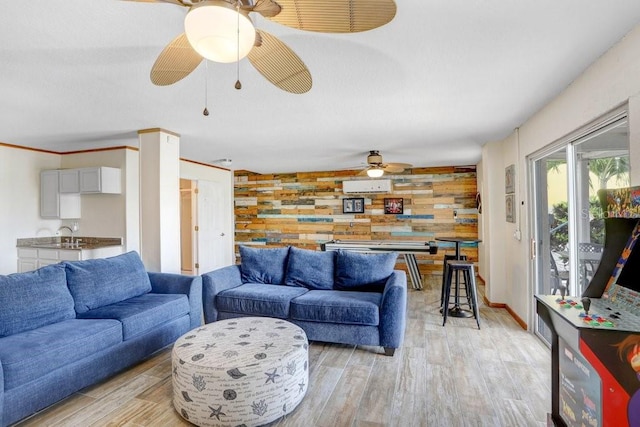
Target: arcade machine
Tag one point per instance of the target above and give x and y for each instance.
(595, 349)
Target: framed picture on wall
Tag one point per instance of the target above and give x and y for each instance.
(353, 205)
(393, 205)
(510, 179)
(510, 207)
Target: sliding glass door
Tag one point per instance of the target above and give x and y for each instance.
(569, 229)
(551, 225)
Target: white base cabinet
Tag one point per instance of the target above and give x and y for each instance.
(33, 258)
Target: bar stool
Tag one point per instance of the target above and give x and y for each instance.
(466, 267)
(448, 258)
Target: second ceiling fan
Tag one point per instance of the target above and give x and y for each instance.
(376, 168)
(223, 31)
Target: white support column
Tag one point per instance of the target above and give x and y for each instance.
(160, 200)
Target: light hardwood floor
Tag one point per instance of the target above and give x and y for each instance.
(455, 375)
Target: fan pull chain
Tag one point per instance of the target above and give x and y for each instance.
(238, 85)
(205, 112)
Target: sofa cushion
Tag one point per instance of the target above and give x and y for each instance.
(310, 269)
(363, 271)
(29, 355)
(264, 265)
(33, 299)
(258, 299)
(142, 313)
(98, 282)
(344, 307)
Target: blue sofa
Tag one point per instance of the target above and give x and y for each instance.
(336, 296)
(66, 326)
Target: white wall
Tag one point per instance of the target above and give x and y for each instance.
(611, 81)
(20, 195)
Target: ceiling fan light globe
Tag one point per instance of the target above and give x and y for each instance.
(212, 30)
(375, 172)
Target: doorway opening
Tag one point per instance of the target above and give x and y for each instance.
(187, 226)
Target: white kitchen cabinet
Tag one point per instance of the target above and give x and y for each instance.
(69, 181)
(27, 259)
(49, 195)
(33, 258)
(100, 180)
(54, 256)
(54, 204)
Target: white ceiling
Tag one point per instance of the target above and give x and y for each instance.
(430, 88)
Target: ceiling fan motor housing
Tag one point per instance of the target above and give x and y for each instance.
(374, 158)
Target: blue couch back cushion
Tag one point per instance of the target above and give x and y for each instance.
(310, 269)
(34, 299)
(363, 271)
(263, 265)
(98, 282)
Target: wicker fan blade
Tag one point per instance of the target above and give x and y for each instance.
(175, 62)
(396, 167)
(280, 65)
(266, 8)
(331, 16)
(178, 2)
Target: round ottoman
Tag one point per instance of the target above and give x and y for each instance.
(245, 371)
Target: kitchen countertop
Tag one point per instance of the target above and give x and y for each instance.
(60, 242)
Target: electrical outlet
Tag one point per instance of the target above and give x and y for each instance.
(455, 214)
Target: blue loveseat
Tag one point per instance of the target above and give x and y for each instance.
(336, 296)
(66, 326)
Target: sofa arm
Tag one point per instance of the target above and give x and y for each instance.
(1, 395)
(393, 310)
(191, 286)
(213, 283)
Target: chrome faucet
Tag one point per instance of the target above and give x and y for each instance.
(70, 230)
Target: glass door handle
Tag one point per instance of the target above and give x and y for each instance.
(533, 249)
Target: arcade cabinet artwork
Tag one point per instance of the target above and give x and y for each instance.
(595, 349)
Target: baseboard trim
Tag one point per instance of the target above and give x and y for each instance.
(513, 314)
(517, 318)
(494, 304)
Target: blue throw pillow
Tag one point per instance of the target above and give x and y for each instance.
(363, 271)
(263, 265)
(310, 269)
(98, 282)
(34, 299)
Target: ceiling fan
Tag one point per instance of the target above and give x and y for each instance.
(223, 31)
(376, 168)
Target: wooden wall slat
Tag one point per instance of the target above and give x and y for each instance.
(305, 209)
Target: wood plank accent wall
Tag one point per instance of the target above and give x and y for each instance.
(305, 209)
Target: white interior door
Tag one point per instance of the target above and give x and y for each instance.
(212, 235)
